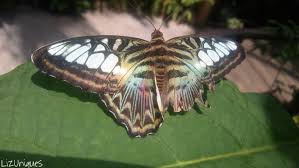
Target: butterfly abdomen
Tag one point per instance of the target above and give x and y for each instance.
(160, 77)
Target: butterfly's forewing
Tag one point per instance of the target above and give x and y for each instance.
(205, 61)
(103, 64)
(92, 63)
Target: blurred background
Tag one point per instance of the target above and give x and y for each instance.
(268, 30)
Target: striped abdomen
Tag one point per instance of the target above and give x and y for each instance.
(161, 78)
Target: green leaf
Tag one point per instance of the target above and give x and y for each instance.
(45, 119)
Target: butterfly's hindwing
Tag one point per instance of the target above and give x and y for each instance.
(136, 103)
(135, 106)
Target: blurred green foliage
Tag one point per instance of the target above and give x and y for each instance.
(289, 47)
(68, 5)
(234, 23)
(254, 13)
(180, 10)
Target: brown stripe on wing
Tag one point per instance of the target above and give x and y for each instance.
(174, 73)
(158, 51)
(165, 60)
(136, 110)
(135, 104)
(183, 89)
(77, 75)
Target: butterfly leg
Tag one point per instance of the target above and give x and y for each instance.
(200, 100)
(211, 86)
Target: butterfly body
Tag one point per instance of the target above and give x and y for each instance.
(136, 79)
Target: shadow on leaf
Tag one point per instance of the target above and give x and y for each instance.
(280, 125)
(56, 85)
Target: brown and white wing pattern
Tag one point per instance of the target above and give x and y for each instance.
(135, 104)
(205, 60)
(92, 63)
(108, 66)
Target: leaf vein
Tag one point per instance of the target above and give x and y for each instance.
(243, 152)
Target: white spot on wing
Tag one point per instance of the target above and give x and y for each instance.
(201, 39)
(99, 47)
(56, 45)
(205, 58)
(213, 55)
(116, 44)
(95, 60)
(81, 60)
(109, 63)
(231, 45)
(122, 71)
(116, 70)
(221, 48)
(219, 52)
(61, 51)
(74, 55)
(105, 41)
(224, 45)
(68, 50)
(200, 65)
(197, 66)
(53, 51)
(206, 45)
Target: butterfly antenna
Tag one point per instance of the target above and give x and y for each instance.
(146, 17)
(150, 21)
(164, 20)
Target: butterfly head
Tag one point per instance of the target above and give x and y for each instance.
(157, 35)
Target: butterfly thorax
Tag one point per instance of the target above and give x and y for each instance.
(157, 36)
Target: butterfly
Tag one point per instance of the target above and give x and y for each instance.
(137, 79)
